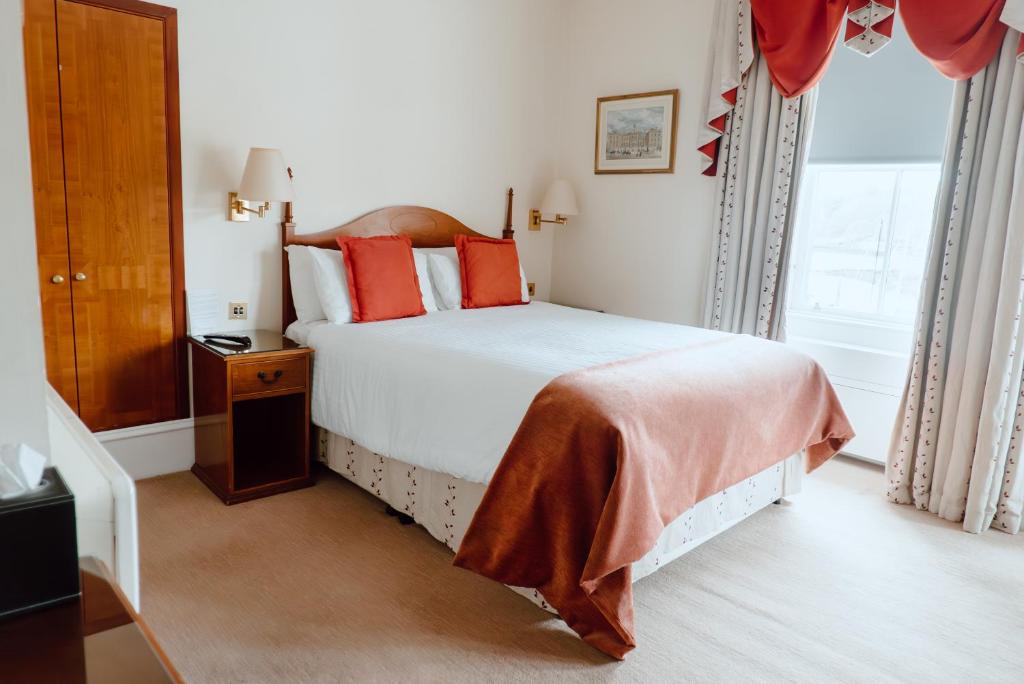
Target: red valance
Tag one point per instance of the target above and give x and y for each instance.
(869, 25)
(796, 38)
(959, 37)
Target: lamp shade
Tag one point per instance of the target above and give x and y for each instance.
(265, 178)
(560, 199)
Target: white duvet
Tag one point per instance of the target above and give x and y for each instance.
(447, 391)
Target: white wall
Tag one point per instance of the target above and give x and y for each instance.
(640, 245)
(442, 103)
(22, 369)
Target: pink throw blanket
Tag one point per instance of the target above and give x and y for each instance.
(606, 457)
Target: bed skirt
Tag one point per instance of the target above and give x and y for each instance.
(444, 505)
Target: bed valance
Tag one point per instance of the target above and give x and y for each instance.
(797, 37)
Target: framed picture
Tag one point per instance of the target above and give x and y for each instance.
(636, 133)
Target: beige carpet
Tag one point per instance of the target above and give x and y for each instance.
(320, 585)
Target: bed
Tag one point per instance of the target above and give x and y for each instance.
(420, 411)
(417, 362)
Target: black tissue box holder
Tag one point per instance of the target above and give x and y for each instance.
(38, 548)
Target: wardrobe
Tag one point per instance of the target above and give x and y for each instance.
(102, 81)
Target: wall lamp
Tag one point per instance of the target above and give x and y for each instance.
(559, 200)
(266, 179)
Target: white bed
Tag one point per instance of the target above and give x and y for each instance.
(419, 411)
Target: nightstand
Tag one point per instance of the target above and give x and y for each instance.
(251, 409)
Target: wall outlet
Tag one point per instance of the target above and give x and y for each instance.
(531, 288)
(238, 311)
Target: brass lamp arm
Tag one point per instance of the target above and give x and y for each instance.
(536, 218)
(239, 207)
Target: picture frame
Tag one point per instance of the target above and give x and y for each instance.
(636, 133)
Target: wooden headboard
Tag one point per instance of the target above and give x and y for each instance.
(424, 226)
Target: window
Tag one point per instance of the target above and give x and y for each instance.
(861, 240)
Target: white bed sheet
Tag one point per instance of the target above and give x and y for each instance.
(448, 391)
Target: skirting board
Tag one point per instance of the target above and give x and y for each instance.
(151, 450)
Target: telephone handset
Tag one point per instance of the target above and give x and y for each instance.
(228, 340)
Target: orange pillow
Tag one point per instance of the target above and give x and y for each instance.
(489, 270)
(381, 274)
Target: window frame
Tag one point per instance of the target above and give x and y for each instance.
(837, 326)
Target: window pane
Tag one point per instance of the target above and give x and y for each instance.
(847, 234)
(862, 235)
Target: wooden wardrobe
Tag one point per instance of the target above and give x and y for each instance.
(102, 81)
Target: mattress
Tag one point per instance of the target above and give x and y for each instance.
(444, 505)
(448, 390)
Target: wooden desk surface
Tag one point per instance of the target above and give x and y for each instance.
(98, 638)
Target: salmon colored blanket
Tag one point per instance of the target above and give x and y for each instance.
(607, 456)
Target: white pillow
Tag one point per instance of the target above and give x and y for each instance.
(300, 274)
(331, 284)
(423, 275)
(444, 269)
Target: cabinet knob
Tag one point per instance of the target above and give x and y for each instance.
(263, 377)
(79, 277)
(57, 279)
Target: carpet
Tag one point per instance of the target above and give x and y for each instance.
(319, 585)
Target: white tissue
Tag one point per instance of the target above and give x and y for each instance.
(21, 469)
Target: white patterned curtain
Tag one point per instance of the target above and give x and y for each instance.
(763, 147)
(956, 451)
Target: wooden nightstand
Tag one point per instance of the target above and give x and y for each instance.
(251, 411)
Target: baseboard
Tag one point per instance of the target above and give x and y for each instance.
(144, 430)
(863, 459)
(154, 449)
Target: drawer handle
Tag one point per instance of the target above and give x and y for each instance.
(270, 381)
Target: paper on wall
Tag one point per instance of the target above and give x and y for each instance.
(203, 306)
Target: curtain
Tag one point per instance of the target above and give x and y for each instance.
(731, 54)
(959, 38)
(796, 38)
(763, 146)
(956, 450)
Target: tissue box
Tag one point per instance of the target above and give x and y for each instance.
(38, 548)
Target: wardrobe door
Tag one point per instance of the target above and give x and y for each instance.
(43, 94)
(118, 99)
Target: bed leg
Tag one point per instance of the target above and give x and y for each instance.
(402, 517)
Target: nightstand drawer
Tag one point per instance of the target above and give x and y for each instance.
(268, 376)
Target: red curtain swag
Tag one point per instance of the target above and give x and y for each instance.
(959, 37)
(796, 39)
